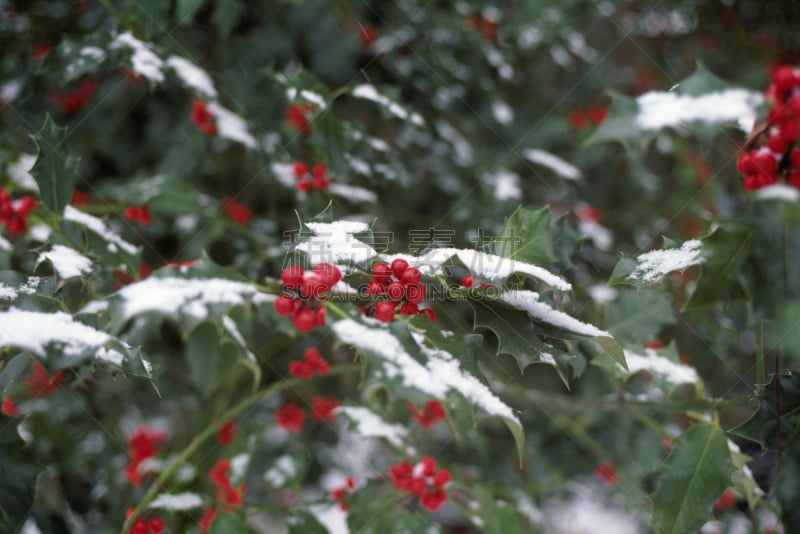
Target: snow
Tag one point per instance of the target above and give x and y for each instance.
(462, 148)
(505, 185)
(10, 90)
(5, 244)
(171, 296)
(110, 355)
(502, 112)
(370, 425)
(441, 373)
(599, 234)
(232, 126)
(529, 301)
(368, 92)
(40, 232)
(552, 162)
(20, 172)
(674, 373)
(143, 60)
(177, 501)
(331, 517)
(7, 292)
(230, 326)
(192, 76)
(602, 294)
(283, 470)
(284, 173)
(334, 243)
(98, 226)
(67, 262)
(585, 514)
(491, 267)
(353, 193)
(95, 306)
(309, 96)
(28, 288)
(653, 266)
(658, 109)
(783, 192)
(33, 331)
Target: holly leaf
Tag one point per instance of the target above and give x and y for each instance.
(723, 252)
(208, 357)
(377, 508)
(515, 332)
(186, 10)
(526, 236)
(636, 316)
(762, 425)
(692, 478)
(651, 267)
(19, 478)
(55, 170)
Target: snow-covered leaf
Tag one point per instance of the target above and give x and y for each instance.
(369, 92)
(66, 262)
(177, 502)
(651, 267)
(370, 425)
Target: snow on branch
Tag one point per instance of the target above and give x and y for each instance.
(653, 266)
(659, 109)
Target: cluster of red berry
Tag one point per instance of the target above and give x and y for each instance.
(340, 494)
(144, 526)
(594, 115)
(422, 480)
(399, 283)
(139, 214)
(227, 495)
(774, 155)
(237, 211)
(291, 417)
(313, 362)
(432, 412)
(142, 445)
(316, 179)
(38, 385)
(302, 291)
(298, 116)
(72, 101)
(485, 25)
(226, 434)
(203, 118)
(14, 213)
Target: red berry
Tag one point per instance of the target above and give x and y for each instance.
(396, 290)
(398, 266)
(300, 369)
(430, 313)
(746, 163)
(777, 142)
(415, 293)
(284, 305)
(794, 158)
(790, 131)
(381, 272)
(330, 273)
(794, 179)
(777, 113)
(467, 280)
(411, 275)
(304, 320)
(292, 277)
(314, 285)
(384, 311)
(409, 309)
(156, 525)
(321, 316)
(766, 162)
(300, 169)
(794, 104)
(783, 77)
(374, 288)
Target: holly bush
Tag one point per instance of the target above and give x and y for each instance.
(306, 266)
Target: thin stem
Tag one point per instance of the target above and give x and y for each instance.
(760, 374)
(210, 430)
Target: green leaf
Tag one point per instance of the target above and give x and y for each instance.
(651, 267)
(229, 523)
(636, 316)
(304, 523)
(515, 332)
(55, 170)
(226, 15)
(18, 489)
(208, 360)
(762, 425)
(692, 478)
(619, 124)
(526, 237)
(723, 252)
(186, 10)
(378, 508)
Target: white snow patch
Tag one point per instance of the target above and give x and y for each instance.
(584, 514)
(232, 126)
(230, 326)
(602, 294)
(284, 173)
(192, 76)
(68, 263)
(552, 162)
(30, 527)
(783, 192)
(353, 193)
(143, 60)
(95, 306)
(370, 425)
(5, 244)
(33, 331)
(529, 301)
(659, 109)
(7, 292)
(309, 96)
(334, 243)
(653, 266)
(20, 172)
(97, 226)
(461, 147)
(502, 112)
(177, 501)
(171, 296)
(331, 517)
(601, 236)
(368, 92)
(10, 90)
(505, 185)
(674, 373)
(110, 355)
(283, 470)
